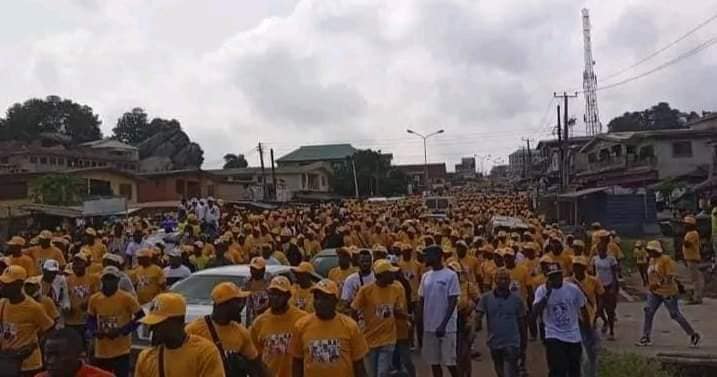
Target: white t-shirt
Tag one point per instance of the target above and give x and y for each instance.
(179, 273)
(562, 312)
(435, 288)
(603, 269)
(352, 284)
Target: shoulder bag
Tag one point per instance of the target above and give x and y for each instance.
(235, 365)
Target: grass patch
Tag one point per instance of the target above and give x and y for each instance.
(628, 244)
(629, 365)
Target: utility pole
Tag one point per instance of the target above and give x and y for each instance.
(263, 172)
(560, 146)
(273, 173)
(353, 167)
(565, 176)
(527, 158)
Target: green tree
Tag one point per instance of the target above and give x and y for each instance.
(658, 117)
(57, 189)
(232, 161)
(133, 126)
(374, 174)
(26, 121)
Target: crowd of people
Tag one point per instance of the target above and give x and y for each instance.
(405, 280)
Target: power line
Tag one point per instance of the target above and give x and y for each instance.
(694, 51)
(664, 48)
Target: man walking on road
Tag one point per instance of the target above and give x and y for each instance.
(506, 326)
(663, 289)
(691, 252)
(562, 304)
(439, 291)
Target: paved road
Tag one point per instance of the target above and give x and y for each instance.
(667, 336)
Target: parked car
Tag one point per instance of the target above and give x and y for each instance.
(324, 261)
(197, 289)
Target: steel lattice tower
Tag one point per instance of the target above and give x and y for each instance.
(592, 116)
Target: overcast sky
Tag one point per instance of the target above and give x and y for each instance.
(287, 73)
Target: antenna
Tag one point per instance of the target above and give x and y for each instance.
(592, 116)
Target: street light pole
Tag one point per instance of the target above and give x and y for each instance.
(425, 151)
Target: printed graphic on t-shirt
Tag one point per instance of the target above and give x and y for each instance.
(409, 275)
(276, 344)
(81, 291)
(9, 332)
(142, 282)
(324, 351)
(361, 321)
(384, 311)
(301, 303)
(107, 322)
(560, 315)
(514, 286)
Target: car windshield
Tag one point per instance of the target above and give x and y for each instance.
(197, 289)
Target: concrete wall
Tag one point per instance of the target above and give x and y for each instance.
(115, 181)
(164, 187)
(670, 166)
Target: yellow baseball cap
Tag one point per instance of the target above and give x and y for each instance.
(581, 260)
(45, 235)
(383, 265)
(91, 231)
(326, 286)
(258, 263)
(654, 246)
(34, 280)
(580, 243)
(455, 266)
(13, 274)
(16, 241)
(690, 220)
(165, 306)
(546, 258)
(83, 256)
(280, 283)
(226, 291)
(304, 267)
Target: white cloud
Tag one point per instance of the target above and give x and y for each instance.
(312, 71)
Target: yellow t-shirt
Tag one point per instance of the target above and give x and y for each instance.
(640, 255)
(412, 271)
(566, 262)
(520, 280)
(592, 288)
(271, 334)
(148, 281)
(338, 276)
(25, 262)
(470, 266)
(379, 305)
(112, 312)
(311, 247)
(196, 357)
(80, 290)
(234, 337)
(403, 325)
(469, 296)
(328, 347)
(661, 276)
(488, 269)
(302, 298)
(40, 255)
(50, 308)
(96, 251)
(692, 253)
(21, 325)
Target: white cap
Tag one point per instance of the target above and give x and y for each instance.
(114, 258)
(211, 199)
(51, 265)
(112, 271)
(174, 253)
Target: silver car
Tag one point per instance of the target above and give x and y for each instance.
(197, 290)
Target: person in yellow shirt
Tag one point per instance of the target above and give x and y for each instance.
(557, 252)
(17, 258)
(94, 247)
(691, 247)
(662, 274)
(174, 352)
(592, 288)
(641, 261)
(411, 270)
(33, 290)
(223, 328)
(148, 278)
(465, 327)
(272, 331)
(112, 316)
(311, 245)
(302, 296)
(380, 303)
(469, 264)
(23, 322)
(488, 269)
(81, 286)
(327, 343)
(339, 273)
(257, 284)
(519, 275)
(45, 251)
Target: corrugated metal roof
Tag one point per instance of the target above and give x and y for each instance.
(584, 192)
(319, 153)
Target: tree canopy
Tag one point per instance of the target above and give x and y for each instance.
(133, 126)
(57, 189)
(658, 117)
(374, 174)
(232, 161)
(26, 121)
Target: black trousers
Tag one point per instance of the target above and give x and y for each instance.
(118, 365)
(563, 358)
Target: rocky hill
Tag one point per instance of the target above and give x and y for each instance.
(170, 149)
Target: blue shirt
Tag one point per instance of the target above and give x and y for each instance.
(502, 315)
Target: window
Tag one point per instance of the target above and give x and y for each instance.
(631, 149)
(323, 181)
(13, 190)
(61, 161)
(210, 190)
(33, 160)
(53, 161)
(4, 160)
(682, 149)
(100, 188)
(43, 160)
(616, 150)
(125, 190)
(646, 152)
(179, 184)
(604, 155)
